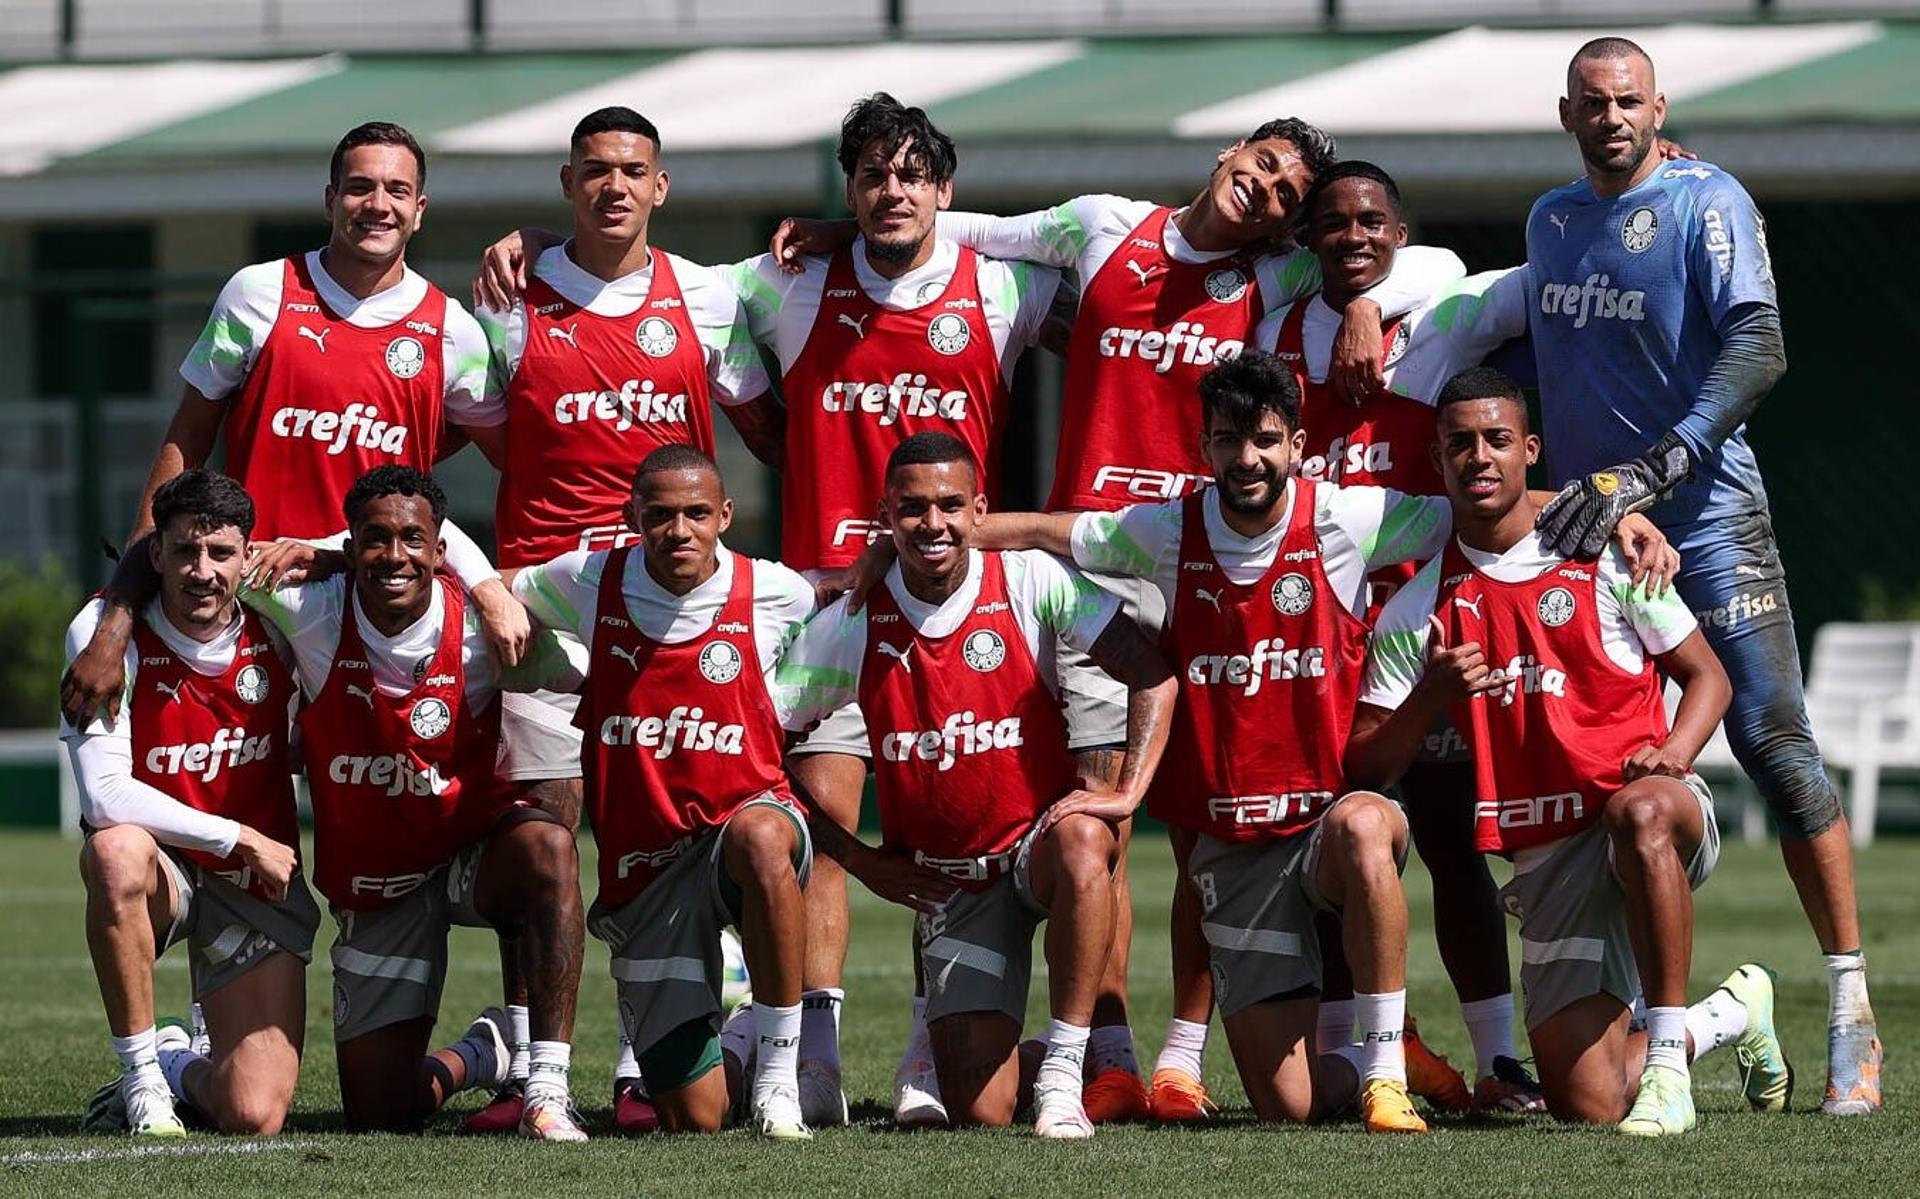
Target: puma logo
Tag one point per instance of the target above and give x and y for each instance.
(565, 334)
(172, 693)
(1143, 273)
(319, 339)
(1212, 597)
(901, 654)
(1559, 220)
(859, 327)
(630, 657)
(1752, 572)
(1471, 605)
(365, 693)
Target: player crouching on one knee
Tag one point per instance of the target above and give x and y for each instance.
(192, 835)
(986, 830)
(1552, 669)
(686, 790)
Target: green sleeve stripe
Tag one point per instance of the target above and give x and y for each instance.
(1299, 275)
(761, 300)
(1063, 234)
(224, 342)
(1109, 550)
(1403, 533)
(1397, 652)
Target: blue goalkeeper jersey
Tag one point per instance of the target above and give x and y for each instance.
(1626, 298)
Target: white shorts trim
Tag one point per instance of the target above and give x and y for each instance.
(658, 970)
(963, 953)
(368, 965)
(1566, 949)
(1252, 940)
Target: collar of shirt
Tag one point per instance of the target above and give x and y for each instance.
(602, 297)
(919, 286)
(205, 657)
(380, 308)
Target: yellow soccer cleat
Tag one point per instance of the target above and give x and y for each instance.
(1386, 1107)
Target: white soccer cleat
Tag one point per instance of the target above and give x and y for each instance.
(776, 1116)
(822, 1103)
(485, 1036)
(551, 1118)
(916, 1094)
(1059, 1113)
(149, 1107)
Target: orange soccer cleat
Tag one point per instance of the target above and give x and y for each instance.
(1116, 1096)
(1176, 1097)
(1431, 1076)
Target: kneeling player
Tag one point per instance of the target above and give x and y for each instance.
(684, 786)
(412, 830)
(950, 662)
(192, 834)
(1548, 666)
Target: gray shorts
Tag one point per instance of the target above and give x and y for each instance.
(844, 731)
(1096, 701)
(537, 737)
(1573, 917)
(976, 952)
(390, 963)
(1258, 901)
(666, 962)
(227, 929)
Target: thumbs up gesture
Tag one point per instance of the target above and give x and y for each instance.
(1459, 672)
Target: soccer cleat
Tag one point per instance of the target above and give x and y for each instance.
(822, 1103)
(1116, 1096)
(488, 1042)
(1509, 1089)
(1854, 1057)
(1059, 1113)
(777, 1117)
(1431, 1076)
(633, 1109)
(1664, 1106)
(916, 1095)
(1386, 1106)
(1765, 1074)
(135, 1104)
(502, 1113)
(549, 1117)
(1176, 1097)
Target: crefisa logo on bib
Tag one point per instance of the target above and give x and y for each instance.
(720, 662)
(984, 650)
(656, 337)
(406, 357)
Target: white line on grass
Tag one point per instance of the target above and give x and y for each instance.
(74, 1157)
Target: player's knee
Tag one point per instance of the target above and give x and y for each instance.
(683, 1112)
(759, 845)
(1577, 1105)
(1084, 846)
(1639, 818)
(1364, 826)
(117, 864)
(253, 1114)
(548, 856)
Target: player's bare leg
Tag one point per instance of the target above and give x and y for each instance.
(561, 798)
(1363, 841)
(1588, 1069)
(528, 887)
(757, 850)
(1177, 1094)
(1285, 1080)
(836, 782)
(258, 1026)
(1071, 871)
(979, 1066)
(390, 1083)
(130, 905)
(1115, 1091)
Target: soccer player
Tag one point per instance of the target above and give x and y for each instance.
(1552, 668)
(899, 332)
(413, 832)
(318, 368)
(616, 348)
(192, 835)
(951, 659)
(1354, 225)
(1166, 292)
(695, 823)
(1651, 302)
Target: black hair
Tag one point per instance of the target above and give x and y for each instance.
(377, 133)
(931, 448)
(1317, 148)
(212, 499)
(881, 118)
(1607, 47)
(1354, 169)
(614, 119)
(1480, 383)
(1241, 389)
(676, 457)
(393, 479)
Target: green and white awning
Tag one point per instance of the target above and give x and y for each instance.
(1023, 102)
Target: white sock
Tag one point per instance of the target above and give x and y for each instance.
(1186, 1048)
(1847, 1004)
(1335, 1026)
(820, 1024)
(1715, 1021)
(1381, 1019)
(1490, 1024)
(173, 1064)
(628, 1066)
(547, 1067)
(1066, 1056)
(1110, 1047)
(519, 1032)
(137, 1053)
(1667, 1038)
(777, 1035)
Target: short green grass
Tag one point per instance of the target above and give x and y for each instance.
(53, 1052)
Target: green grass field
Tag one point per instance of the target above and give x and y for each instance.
(53, 1052)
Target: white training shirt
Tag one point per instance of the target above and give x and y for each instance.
(1051, 601)
(1015, 297)
(734, 371)
(245, 312)
(1361, 529)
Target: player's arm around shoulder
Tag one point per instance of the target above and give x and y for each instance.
(99, 719)
(1383, 526)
